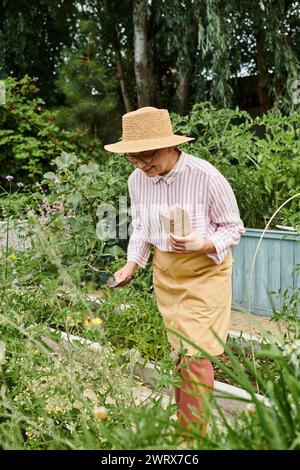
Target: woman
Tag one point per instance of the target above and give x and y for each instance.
(191, 274)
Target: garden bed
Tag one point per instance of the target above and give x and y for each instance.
(243, 346)
(230, 397)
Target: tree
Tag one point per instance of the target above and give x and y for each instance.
(141, 59)
(257, 38)
(178, 52)
(31, 38)
(114, 26)
(166, 53)
(91, 100)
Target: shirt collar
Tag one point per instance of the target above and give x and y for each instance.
(171, 175)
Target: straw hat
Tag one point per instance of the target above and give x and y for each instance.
(146, 129)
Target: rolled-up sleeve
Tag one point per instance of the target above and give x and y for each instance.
(224, 213)
(139, 248)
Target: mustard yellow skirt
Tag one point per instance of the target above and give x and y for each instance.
(193, 295)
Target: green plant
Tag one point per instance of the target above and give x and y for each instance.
(29, 138)
(289, 311)
(72, 207)
(49, 398)
(270, 422)
(49, 389)
(228, 138)
(91, 106)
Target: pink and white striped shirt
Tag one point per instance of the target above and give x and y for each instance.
(198, 187)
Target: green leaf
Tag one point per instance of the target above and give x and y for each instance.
(114, 250)
(50, 176)
(90, 169)
(65, 160)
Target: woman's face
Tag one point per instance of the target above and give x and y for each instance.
(163, 161)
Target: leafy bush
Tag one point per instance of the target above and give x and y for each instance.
(29, 138)
(263, 172)
(73, 195)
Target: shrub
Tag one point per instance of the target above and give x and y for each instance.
(29, 138)
(263, 171)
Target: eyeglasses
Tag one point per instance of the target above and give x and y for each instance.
(135, 157)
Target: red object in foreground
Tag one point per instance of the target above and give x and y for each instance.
(189, 396)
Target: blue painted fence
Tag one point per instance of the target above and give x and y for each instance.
(278, 254)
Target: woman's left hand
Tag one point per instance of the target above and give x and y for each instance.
(192, 242)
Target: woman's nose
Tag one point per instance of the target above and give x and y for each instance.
(141, 165)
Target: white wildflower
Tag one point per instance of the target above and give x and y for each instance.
(250, 409)
(2, 352)
(292, 351)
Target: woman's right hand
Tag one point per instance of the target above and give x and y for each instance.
(125, 272)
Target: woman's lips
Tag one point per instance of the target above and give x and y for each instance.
(149, 169)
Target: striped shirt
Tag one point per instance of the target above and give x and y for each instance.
(198, 187)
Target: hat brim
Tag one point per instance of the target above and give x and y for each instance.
(135, 146)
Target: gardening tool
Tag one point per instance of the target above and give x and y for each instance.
(113, 283)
